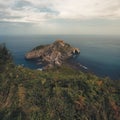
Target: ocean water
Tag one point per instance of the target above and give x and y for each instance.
(100, 54)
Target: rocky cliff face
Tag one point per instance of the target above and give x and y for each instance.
(53, 54)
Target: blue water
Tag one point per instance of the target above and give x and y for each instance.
(101, 54)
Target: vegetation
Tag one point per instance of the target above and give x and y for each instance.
(5, 57)
(39, 47)
(57, 94)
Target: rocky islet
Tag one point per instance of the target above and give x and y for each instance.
(54, 54)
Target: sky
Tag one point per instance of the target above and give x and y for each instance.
(59, 17)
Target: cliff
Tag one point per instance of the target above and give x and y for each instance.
(53, 54)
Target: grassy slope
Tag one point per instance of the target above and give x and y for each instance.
(57, 94)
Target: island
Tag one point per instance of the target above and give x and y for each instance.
(54, 54)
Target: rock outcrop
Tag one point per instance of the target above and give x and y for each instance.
(54, 54)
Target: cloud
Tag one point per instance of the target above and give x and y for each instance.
(19, 5)
(36, 11)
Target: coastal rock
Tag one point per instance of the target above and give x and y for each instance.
(76, 51)
(54, 54)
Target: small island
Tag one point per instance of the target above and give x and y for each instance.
(54, 54)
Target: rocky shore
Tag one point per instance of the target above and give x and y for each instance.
(54, 54)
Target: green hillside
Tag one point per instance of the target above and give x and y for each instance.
(61, 93)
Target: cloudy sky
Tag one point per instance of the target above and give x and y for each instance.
(59, 17)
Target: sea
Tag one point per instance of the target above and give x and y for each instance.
(98, 53)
